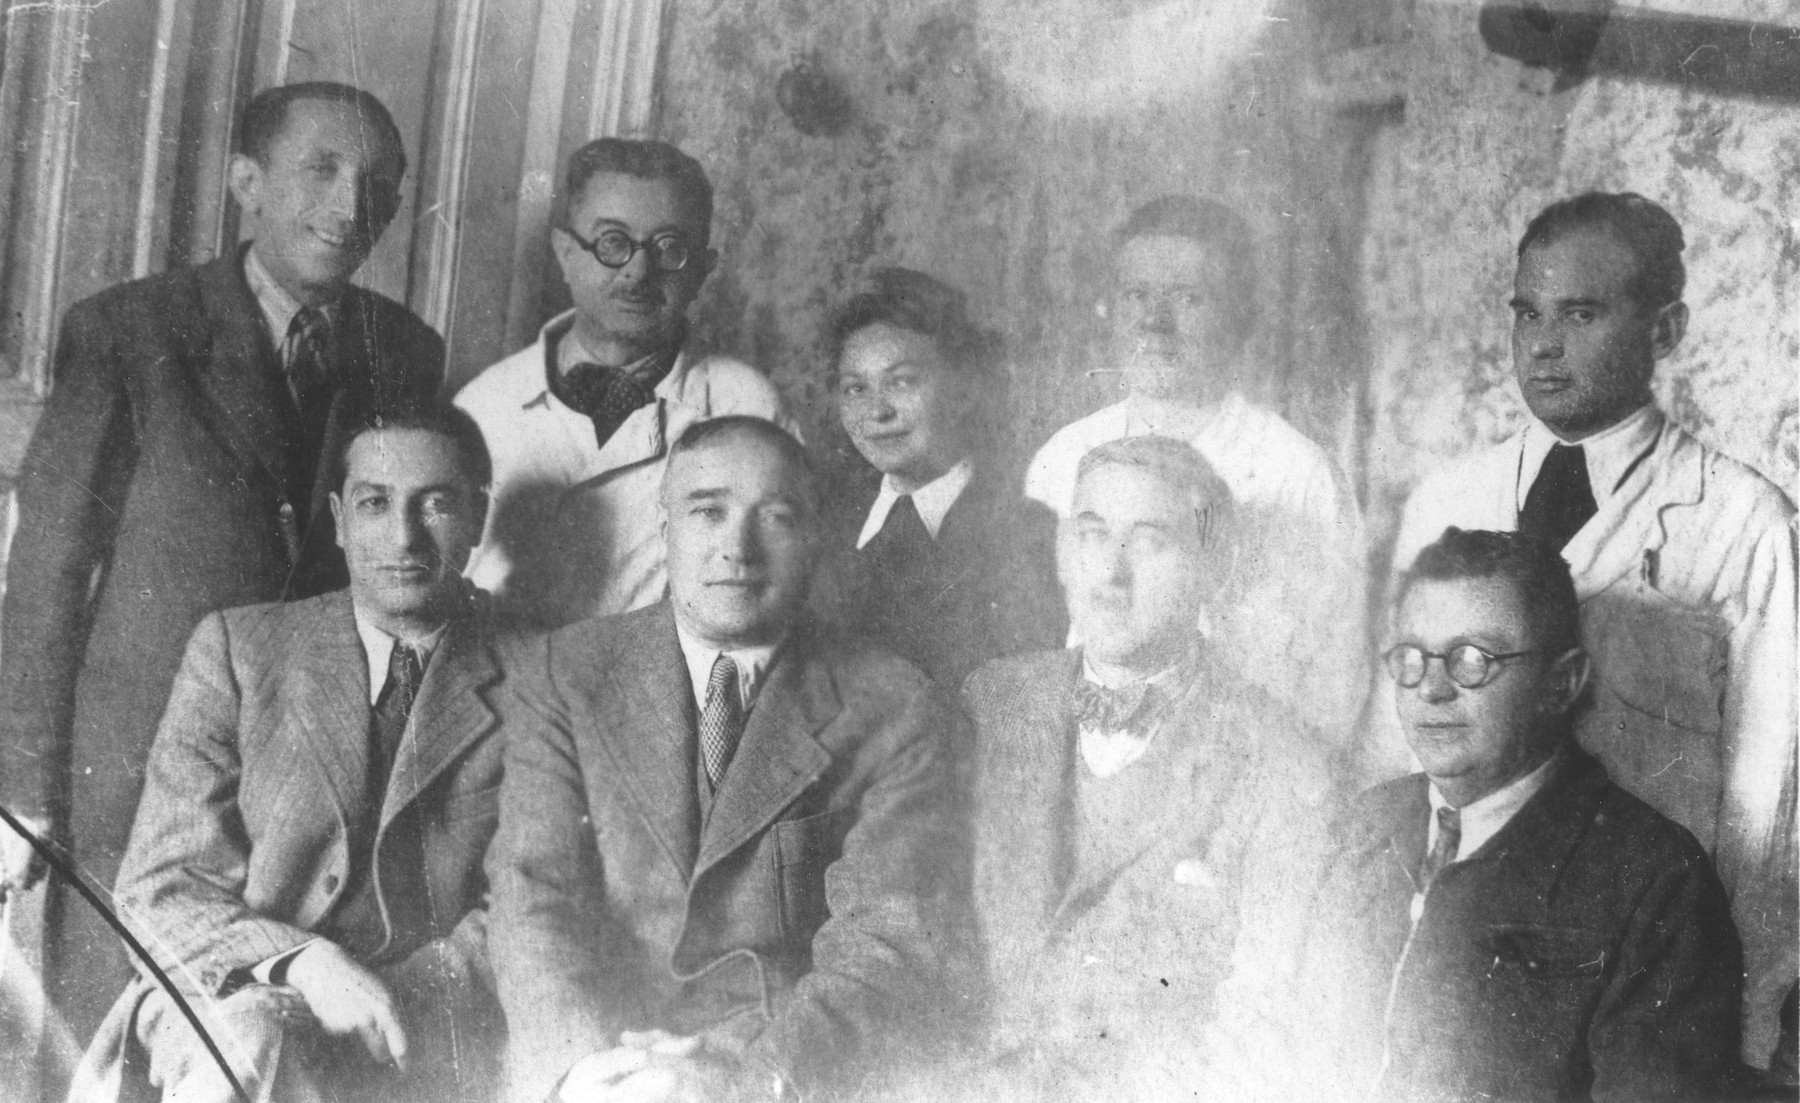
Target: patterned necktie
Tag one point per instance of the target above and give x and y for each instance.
(307, 354)
(313, 381)
(1560, 501)
(1443, 852)
(722, 721)
(405, 672)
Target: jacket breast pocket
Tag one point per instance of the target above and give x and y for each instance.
(804, 850)
(1549, 967)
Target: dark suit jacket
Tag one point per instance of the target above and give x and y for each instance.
(154, 491)
(1584, 952)
(252, 827)
(800, 927)
(1106, 973)
(989, 590)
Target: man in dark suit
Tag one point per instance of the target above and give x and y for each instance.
(1138, 804)
(175, 471)
(1509, 924)
(723, 865)
(306, 862)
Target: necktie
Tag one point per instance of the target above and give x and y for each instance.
(722, 721)
(402, 852)
(610, 395)
(405, 672)
(313, 382)
(1560, 500)
(307, 354)
(1443, 852)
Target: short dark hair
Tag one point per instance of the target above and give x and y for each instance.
(263, 118)
(1534, 568)
(911, 300)
(919, 303)
(703, 433)
(646, 159)
(1217, 227)
(431, 415)
(1179, 464)
(1647, 229)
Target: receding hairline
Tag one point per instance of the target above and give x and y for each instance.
(796, 466)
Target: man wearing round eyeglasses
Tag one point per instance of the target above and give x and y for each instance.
(580, 422)
(1509, 924)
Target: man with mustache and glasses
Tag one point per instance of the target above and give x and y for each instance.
(1683, 558)
(176, 470)
(726, 860)
(581, 421)
(1508, 924)
(1181, 309)
(1142, 810)
(307, 858)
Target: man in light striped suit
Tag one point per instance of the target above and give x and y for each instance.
(306, 861)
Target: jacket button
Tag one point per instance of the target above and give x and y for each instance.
(331, 882)
(286, 511)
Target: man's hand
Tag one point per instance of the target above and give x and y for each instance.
(21, 867)
(650, 1066)
(348, 999)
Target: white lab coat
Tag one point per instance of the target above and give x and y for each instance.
(1686, 575)
(572, 528)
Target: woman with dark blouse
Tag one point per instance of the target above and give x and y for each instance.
(946, 561)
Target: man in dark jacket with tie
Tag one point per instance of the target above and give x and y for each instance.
(1509, 924)
(306, 862)
(1683, 559)
(725, 861)
(176, 471)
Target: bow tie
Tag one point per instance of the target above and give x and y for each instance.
(1109, 709)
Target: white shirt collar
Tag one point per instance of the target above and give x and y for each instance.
(278, 306)
(1482, 819)
(1610, 454)
(378, 648)
(933, 501)
(752, 663)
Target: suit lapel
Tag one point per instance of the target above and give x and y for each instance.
(332, 705)
(648, 730)
(452, 711)
(778, 755)
(239, 374)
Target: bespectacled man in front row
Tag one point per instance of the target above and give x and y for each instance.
(1683, 558)
(724, 858)
(1509, 924)
(306, 860)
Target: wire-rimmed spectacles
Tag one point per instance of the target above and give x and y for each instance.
(615, 248)
(1467, 665)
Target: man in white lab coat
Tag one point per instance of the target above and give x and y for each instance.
(1683, 558)
(580, 421)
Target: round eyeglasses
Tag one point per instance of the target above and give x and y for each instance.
(1468, 666)
(615, 248)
